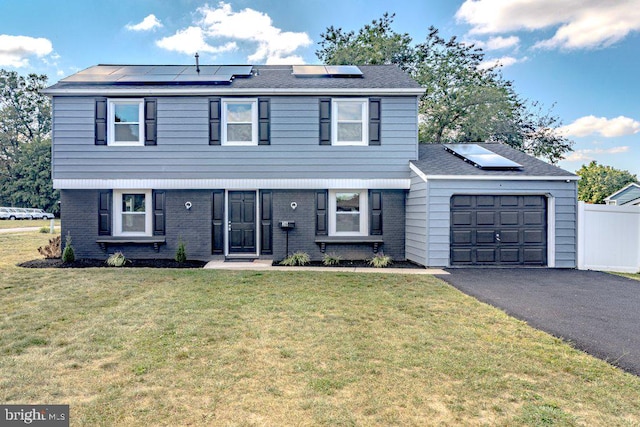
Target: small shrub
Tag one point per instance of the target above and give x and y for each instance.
(44, 230)
(181, 253)
(68, 255)
(116, 260)
(298, 258)
(380, 261)
(331, 259)
(52, 250)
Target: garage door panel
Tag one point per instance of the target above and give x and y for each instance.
(498, 230)
(533, 218)
(485, 236)
(485, 201)
(486, 218)
(510, 255)
(461, 256)
(461, 237)
(534, 237)
(509, 236)
(534, 256)
(509, 218)
(464, 218)
(486, 255)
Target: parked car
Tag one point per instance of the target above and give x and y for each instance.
(4, 213)
(17, 213)
(39, 214)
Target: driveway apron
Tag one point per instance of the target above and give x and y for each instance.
(597, 312)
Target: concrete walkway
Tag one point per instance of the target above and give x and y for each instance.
(266, 265)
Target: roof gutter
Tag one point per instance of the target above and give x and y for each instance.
(151, 91)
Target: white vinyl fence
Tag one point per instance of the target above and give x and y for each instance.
(609, 238)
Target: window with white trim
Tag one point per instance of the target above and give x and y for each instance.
(239, 122)
(349, 121)
(126, 122)
(348, 213)
(132, 213)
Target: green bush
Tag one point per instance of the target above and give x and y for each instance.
(298, 258)
(181, 253)
(44, 230)
(331, 259)
(68, 255)
(380, 261)
(116, 260)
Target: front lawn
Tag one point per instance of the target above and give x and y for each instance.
(209, 347)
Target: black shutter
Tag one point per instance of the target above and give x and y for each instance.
(158, 213)
(374, 121)
(321, 213)
(375, 212)
(104, 213)
(150, 119)
(217, 223)
(214, 121)
(101, 121)
(264, 113)
(325, 121)
(266, 223)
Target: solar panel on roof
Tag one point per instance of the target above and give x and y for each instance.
(236, 70)
(481, 157)
(343, 70)
(326, 70)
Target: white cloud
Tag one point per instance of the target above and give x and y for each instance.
(609, 128)
(16, 50)
(582, 24)
(497, 43)
(589, 154)
(192, 40)
(148, 23)
(269, 43)
(504, 61)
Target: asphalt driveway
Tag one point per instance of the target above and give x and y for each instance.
(597, 312)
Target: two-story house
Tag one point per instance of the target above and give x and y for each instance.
(261, 161)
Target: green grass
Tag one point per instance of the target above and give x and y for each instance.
(635, 276)
(210, 347)
(15, 223)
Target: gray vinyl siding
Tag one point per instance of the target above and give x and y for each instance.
(416, 221)
(183, 152)
(438, 213)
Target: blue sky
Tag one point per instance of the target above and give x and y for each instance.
(581, 55)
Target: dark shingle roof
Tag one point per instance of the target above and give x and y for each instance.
(434, 160)
(264, 77)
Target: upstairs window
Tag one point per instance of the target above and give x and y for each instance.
(349, 126)
(240, 122)
(126, 122)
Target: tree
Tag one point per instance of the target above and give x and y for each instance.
(31, 183)
(599, 181)
(375, 44)
(463, 101)
(25, 118)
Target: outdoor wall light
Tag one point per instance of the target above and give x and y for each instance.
(188, 205)
(294, 205)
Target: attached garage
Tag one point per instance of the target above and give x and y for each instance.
(459, 214)
(498, 230)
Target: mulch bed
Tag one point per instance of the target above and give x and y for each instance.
(358, 264)
(92, 263)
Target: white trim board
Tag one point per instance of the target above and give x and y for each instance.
(236, 184)
(157, 91)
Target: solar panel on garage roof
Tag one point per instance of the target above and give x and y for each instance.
(481, 157)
